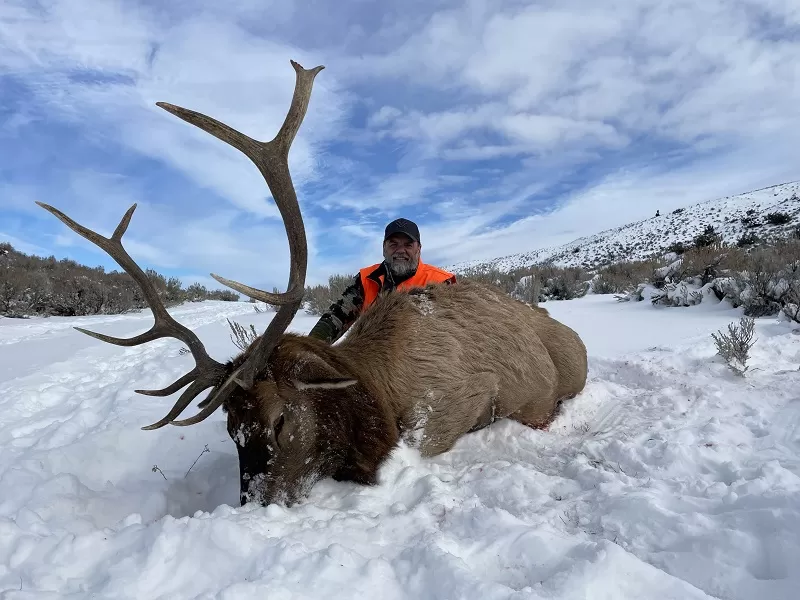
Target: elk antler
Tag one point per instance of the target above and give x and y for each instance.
(206, 373)
(271, 158)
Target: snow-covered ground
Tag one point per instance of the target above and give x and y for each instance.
(668, 478)
(731, 216)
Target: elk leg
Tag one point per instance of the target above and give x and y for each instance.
(467, 406)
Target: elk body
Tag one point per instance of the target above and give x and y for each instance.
(428, 365)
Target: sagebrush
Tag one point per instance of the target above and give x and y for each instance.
(319, 298)
(32, 285)
(241, 336)
(734, 346)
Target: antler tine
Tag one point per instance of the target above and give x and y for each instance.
(271, 158)
(245, 375)
(207, 372)
(292, 295)
(185, 399)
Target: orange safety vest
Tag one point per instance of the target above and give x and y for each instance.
(373, 283)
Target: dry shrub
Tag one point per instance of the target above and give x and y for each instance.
(33, 285)
(505, 281)
(771, 280)
(534, 284)
(560, 283)
(319, 298)
(706, 263)
(241, 336)
(734, 346)
(623, 277)
(527, 290)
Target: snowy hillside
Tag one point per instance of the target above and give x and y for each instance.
(667, 478)
(730, 216)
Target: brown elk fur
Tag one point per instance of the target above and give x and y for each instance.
(426, 366)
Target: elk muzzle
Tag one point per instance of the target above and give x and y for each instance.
(252, 476)
(269, 479)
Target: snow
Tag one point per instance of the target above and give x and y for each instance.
(641, 239)
(668, 477)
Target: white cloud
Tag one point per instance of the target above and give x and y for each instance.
(384, 116)
(529, 51)
(549, 130)
(656, 68)
(386, 193)
(214, 67)
(21, 245)
(448, 134)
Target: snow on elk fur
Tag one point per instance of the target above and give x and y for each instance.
(426, 366)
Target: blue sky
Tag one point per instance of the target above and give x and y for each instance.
(499, 127)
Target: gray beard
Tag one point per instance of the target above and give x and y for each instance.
(401, 268)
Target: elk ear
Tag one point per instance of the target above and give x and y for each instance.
(328, 384)
(318, 374)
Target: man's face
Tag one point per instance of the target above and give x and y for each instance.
(401, 253)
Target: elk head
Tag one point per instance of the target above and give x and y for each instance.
(264, 415)
(312, 417)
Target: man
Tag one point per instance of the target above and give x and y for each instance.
(401, 269)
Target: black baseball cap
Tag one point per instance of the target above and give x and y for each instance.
(402, 226)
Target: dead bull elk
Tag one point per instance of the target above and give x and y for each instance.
(426, 366)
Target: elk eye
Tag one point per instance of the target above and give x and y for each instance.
(279, 427)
